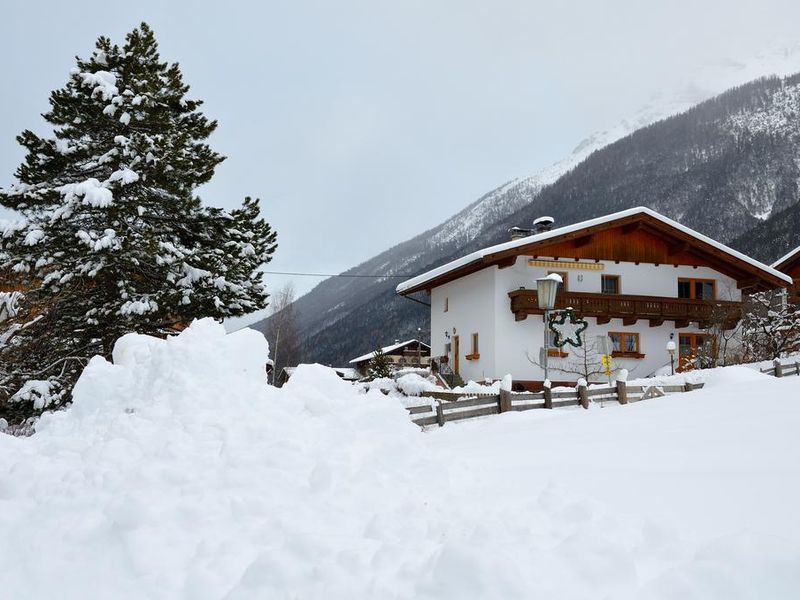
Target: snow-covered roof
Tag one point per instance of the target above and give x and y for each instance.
(343, 372)
(388, 350)
(478, 255)
(793, 254)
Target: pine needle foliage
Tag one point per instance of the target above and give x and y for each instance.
(111, 236)
(379, 366)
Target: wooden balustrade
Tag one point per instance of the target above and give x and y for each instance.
(655, 309)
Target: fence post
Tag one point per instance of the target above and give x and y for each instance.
(439, 413)
(797, 368)
(548, 396)
(688, 387)
(622, 392)
(583, 394)
(505, 400)
(778, 367)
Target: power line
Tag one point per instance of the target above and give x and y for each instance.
(338, 275)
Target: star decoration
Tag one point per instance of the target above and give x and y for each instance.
(568, 328)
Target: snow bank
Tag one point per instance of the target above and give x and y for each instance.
(179, 474)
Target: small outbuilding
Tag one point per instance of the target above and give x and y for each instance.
(411, 353)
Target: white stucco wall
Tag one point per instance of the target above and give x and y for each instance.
(479, 302)
(470, 310)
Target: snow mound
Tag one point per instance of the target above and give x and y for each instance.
(178, 473)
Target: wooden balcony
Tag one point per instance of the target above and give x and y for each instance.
(656, 309)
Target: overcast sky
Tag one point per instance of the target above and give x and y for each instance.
(361, 124)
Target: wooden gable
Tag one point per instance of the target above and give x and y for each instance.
(636, 238)
(790, 264)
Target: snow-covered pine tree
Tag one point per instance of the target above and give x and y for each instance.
(111, 236)
(379, 366)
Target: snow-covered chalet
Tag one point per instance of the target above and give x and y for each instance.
(635, 276)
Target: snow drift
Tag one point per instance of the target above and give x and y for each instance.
(178, 473)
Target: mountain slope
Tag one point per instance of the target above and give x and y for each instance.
(722, 167)
(772, 239)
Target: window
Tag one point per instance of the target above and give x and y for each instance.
(562, 287)
(697, 289)
(552, 350)
(446, 304)
(475, 353)
(609, 284)
(625, 345)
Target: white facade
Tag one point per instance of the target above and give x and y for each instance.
(479, 303)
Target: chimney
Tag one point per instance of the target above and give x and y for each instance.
(518, 232)
(543, 224)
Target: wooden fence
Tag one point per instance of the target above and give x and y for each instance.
(457, 407)
(779, 369)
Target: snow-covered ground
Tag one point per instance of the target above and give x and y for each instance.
(178, 474)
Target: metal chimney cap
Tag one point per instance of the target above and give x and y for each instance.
(544, 220)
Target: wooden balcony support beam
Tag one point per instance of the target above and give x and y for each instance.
(657, 322)
(628, 321)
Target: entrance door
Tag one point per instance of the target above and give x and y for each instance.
(456, 354)
(693, 350)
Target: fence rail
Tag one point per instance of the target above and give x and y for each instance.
(451, 406)
(779, 369)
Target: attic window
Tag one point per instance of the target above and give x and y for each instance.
(697, 289)
(609, 284)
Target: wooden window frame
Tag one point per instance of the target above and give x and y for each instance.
(564, 278)
(693, 346)
(624, 353)
(692, 293)
(475, 354)
(618, 278)
(552, 350)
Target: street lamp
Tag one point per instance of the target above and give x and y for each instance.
(671, 350)
(546, 289)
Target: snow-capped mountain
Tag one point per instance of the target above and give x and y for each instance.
(730, 183)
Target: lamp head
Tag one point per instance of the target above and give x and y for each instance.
(546, 289)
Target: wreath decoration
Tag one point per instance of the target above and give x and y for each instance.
(568, 328)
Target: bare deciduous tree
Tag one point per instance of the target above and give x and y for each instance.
(281, 330)
(771, 325)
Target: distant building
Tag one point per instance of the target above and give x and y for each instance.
(411, 353)
(346, 373)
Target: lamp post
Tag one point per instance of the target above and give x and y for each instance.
(546, 289)
(671, 350)
(419, 347)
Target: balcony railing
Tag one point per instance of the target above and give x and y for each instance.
(656, 309)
